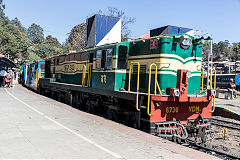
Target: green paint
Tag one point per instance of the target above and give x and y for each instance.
(111, 80)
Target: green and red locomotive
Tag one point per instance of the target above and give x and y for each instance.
(151, 83)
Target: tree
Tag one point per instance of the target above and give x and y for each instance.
(76, 38)
(44, 50)
(126, 21)
(52, 41)
(13, 42)
(18, 24)
(3, 19)
(35, 33)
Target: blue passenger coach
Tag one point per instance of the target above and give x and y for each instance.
(32, 72)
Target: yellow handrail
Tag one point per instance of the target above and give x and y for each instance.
(36, 77)
(155, 86)
(40, 74)
(202, 77)
(129, 81)
(89, 75)
(83, 75)
(215, 80)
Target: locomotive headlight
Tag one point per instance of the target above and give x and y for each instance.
(185, 41)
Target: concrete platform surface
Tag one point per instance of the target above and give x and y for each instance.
(36, 127)
(231, 104)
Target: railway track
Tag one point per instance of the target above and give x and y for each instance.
(225, 123)
(214, 152)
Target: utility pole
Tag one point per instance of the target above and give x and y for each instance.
(209, 64)
(236, 51)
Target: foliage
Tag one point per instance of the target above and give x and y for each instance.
(44, 50)
(222, 50)
(35, 33)
(25, 45)
(76, 38)
(18, 24)
(52, 41)
(13, 42)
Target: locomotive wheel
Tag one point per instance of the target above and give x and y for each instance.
(82, 106)
(59, 97)
(111, 115)
(89, 107)
(176, 140)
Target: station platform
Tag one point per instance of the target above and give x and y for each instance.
(36, 127)
(229, 108)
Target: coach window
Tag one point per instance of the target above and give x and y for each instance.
(98, 59)
(108, 59)
(104, 59)
(122, 56)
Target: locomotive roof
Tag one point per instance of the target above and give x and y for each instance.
(114, 44)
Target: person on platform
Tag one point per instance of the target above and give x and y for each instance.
(231, 89)
(9, 78)
(3, 73)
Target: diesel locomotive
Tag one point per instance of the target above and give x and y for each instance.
(153, 84)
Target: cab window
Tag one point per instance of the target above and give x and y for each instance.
(122, 56)
(104, 59)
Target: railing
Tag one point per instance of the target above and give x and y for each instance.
(89, 76)
(38, 75)
(203, 70)
(84, 75)
(156, 85)
(214, 85)
(129, 81)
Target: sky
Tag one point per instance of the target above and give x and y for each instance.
(219, 18)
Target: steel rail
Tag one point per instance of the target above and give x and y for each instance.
(225, 123)
(220, 153)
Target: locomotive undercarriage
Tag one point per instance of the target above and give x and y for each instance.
(123, 111)
(196, 130)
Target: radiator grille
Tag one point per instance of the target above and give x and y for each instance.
(142, 76)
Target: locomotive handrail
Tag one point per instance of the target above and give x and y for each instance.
(36, 77)
(38, 71)
(129, 81)
(155, 85)
(84, 75)
(203, 70)
(215, 79)
(40, 74)
(89, 75)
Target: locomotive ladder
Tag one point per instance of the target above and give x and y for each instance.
(156, 84)
(129, 81)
